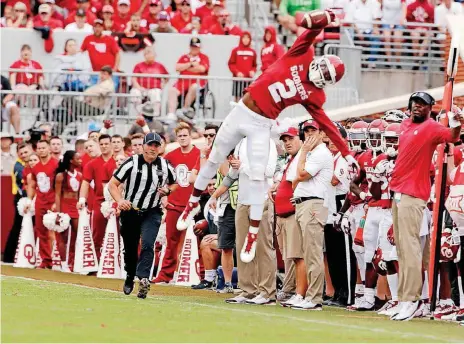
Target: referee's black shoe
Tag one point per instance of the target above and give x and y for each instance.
(128, 285)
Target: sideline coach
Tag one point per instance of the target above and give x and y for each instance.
(410, 183)
(146, 178)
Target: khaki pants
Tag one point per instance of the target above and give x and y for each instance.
(312, 217)
(258, 276)
(289, 284)
(407, 220)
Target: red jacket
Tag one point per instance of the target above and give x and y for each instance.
(271, 51)
(218, 29)
(243, 59)
(72, 17)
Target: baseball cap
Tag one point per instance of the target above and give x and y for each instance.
(49, 2)
(292, 132)
(124, 2)
(311, 123)
(44, 8)
(80, 13)
(108, 8)
(20, 6)
(82, 1)
(155, 2)
(152, 138)
(93, 126)
(97, 21)
(195, 42)
(218, 3)
(163, 15)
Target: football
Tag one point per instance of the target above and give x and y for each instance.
(317, 19)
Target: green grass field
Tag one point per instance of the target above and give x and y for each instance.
(47, 306)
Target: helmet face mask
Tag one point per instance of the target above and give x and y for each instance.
(374, 138)
(357, 136)
(326, 70)
(391, 139)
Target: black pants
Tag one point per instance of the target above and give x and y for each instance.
(133, 225)
(341, 260)
(13, 237)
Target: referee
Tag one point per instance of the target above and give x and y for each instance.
(146, 178)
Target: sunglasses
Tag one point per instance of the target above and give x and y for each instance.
(43, 13)
(20, 11)
(185, 4)
(154, 5)
(209, 135)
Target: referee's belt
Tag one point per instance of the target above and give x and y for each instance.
(299, 200)
(138, 210)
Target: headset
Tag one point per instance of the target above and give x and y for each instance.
(427, 98)
(301, 134)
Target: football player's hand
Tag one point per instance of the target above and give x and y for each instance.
(352, 161)
(140, 121)
(345, 224)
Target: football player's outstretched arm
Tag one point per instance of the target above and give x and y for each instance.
(315, 22)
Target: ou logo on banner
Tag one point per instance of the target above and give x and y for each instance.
(182, 173)
(29, 253)
(279, 90)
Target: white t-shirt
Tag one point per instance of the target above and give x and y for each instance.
(363, 13)
(392, 11)
(442, 11)
(319, 164)
(73, 28)
(341, 172)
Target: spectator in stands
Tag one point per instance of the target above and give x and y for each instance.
(80, 24)
(137, 143)
(11, 3)
(47, 129)
(271, 50)
(85, 5)
(164, 24)
(173, 8)
(183, 18)
(7, 15)
(107, 16)
(447, 7)
(362, 14)
(10, 111)
(134, 26)
(150, 19)
(194, 28)
(419, 11)
(242, 64)
(122, 16)
(193, 63)
(205, 10)
(8, 159)
(146, 122)
(97, 95)
(225, 26)
(54, 13)
(20, 18)
(103, 50)
(71, 60)
(149, 87)
(32, 77)
(288, 9)
(45, 24)
(393, 25)
(209, 21)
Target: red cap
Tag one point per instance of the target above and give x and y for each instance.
(292, 132)
(311, 123)
(218, 3)
(108, 8)
(97, 21)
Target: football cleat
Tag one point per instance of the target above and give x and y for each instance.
(249, 248)
(187, 215)
(204, 284)
(460, 314)
(358, 298)
(423, 310)
(385, 310)
(365, 306)
(445, 310)
(228, 289)
(407, 311)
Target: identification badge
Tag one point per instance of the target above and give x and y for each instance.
(397, 197)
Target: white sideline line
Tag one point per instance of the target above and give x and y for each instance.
(248, 311)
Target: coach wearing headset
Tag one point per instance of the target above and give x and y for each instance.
(420, 136)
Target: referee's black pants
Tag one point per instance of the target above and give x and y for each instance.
(136, 224)
(341, 261)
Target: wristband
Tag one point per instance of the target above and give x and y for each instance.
(146, 129)
(82, 200)
(362, 195)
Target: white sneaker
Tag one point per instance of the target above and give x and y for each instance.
(357, 301)
(187, 215)
(365, 305)
(294, 300)
(393, 310)
(307, 305)
(261, 300)
(408, 309)
(249, 247)
(237, 299)
(423, 310)
(386, 307)
(445, 310)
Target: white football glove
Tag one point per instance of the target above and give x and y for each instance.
(352, 161)
(345, 224)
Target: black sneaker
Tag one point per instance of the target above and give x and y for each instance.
(128, 285)
(144, 287)
(203, 285)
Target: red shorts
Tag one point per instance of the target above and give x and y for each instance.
(68, 206)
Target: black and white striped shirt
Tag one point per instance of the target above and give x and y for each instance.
(143, 179)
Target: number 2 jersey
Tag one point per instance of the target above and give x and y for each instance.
(286, 83)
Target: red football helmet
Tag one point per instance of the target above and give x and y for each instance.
(380, 265)
(450, 244)
(391, 235)
(326, 70)
(357, 135)
(391, 139)
(374, 134)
